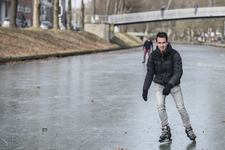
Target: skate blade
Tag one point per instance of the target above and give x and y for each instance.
(165, 141)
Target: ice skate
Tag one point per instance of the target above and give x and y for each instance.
(166, 135)
(190, 133)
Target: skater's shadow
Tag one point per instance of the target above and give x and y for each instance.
(165, 146)
(191, 146)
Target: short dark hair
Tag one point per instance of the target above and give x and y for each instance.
(162, 35)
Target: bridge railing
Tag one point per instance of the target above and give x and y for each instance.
(96, 19)
(168, 14)
(157, 15)
(190, 13)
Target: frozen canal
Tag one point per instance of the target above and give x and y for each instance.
(94, 102)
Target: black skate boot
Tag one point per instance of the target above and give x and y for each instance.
(166, 135)
(190, 133)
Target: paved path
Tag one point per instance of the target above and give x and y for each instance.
(93, 102)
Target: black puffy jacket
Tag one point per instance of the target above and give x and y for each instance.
(148, 45)
(167, 68)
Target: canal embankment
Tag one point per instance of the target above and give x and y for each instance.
(23, 45)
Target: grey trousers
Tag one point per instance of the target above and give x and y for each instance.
(178, 99)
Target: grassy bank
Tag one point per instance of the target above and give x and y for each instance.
(29, 44)
(125, 40)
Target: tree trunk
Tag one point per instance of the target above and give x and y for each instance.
(222, 30)
(93, 7)
(56, 11)
(121, 6)
(69, 15)
(147, 28)
(37, 4)
(107, 7)
(116, 7)
(204, 36)
(210, 31)
(190, 34)
(82, 17)
(122, 28)
(13, 13)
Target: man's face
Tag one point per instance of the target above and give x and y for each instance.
(162, 44)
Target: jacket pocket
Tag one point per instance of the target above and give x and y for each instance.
(169, 66)
(158, 66)
(159, 76)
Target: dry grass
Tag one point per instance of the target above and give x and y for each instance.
(27, 42)
(31, 43)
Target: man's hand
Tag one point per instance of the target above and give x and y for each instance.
(167, 89)
(144, 95)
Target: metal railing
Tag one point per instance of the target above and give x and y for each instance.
(174, 14)
(96, 19)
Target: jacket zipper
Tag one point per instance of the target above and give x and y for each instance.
(163, 61)
(163, 65)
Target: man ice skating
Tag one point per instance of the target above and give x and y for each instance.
(147, 48)
(164, 67)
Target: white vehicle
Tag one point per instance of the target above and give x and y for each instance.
(46, 25)
(6, 22)
(62, 27)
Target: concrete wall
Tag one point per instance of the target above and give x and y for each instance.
(101, 30)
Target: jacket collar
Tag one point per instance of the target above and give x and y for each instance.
(169, 48)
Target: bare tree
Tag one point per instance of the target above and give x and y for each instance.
(167, 7)
(56, 11)
(222, 30)
(120, 7)
(13, 13)
(82, 16)
(116, 6)
(93, 7)
(69, 15)
(37, 4)
(107, 7)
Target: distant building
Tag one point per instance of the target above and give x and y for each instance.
(24, 6)
(47, 7)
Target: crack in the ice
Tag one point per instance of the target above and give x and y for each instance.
(92, 138)
(4, 141)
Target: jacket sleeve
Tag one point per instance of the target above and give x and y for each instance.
(178, 71)
(150, 73)
(144, 45)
